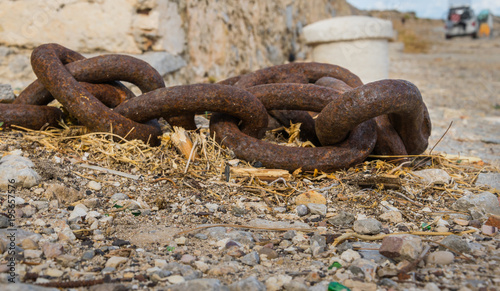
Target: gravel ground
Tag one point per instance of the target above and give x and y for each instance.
(88, 229)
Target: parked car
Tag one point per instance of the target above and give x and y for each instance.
(461, 21)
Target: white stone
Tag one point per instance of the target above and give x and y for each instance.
(77, 213)
(276, 282)
(94, 185)
(202, 266)
(115, 262)
(54, 273)
(33, 254)
(358, 43)
(175, 279)
(17, 171)
(433, 176)
(160, 263)
(350, 255)
(180, 240)
(392, 216)
(19, 201)
(440, 258)
(67, 234)
(39, 222)
(93, 214)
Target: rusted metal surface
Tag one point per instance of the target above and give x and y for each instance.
(47, 62)
(111, 94)
(353, 120)
(399, 99)
(29, 116)
(300, 72)
(353, 150)
(191, 99)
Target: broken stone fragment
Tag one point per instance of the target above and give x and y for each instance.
(401, 247)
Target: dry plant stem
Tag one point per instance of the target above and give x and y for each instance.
(244, 226)
(349, 235)
(441, 138)
(267, 190)
(191, 155)
(134, 177)
(407, 198)
(164, 179)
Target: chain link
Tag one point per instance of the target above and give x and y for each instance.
(354, 120)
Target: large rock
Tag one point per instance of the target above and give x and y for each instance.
(489, 179)
(17, 171)
(479, 206)
(216, 39)
(105, 25)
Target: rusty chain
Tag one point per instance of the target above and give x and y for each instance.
(385, 117)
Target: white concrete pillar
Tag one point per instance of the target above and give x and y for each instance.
(357, 43)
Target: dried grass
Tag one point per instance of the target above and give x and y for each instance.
(379, 179)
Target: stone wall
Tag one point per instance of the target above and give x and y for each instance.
(188, 41)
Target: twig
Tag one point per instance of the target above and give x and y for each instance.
(164, 179)
(119, 173)
(267, 190)
(407, 198)
(280, 179)
(349, 235)
(441, 138)
(245, 226)
(191, 155)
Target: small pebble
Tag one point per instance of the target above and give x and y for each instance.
(392, 216)
(440, 258)
(301, 210)
(188, 259)
(316, 208)
(33, 254)
(119, 196)
(342, 219)
(52, 250)
(350, 255)
(367, 226)
(251, 259)
(456, 243)
(115, 262)
(29, 244)
(93, 185)
(175, 279)
(4, 221)
(51, 272)
(310, 197)
(88, 255)
(268, 252)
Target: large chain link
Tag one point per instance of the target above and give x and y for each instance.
(385, 117)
